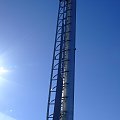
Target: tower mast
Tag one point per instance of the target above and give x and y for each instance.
(61, 91)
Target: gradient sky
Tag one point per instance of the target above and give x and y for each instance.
(27, 32)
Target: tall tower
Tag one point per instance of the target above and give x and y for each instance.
(61, 91)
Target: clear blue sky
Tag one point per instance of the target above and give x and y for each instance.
(27, 30)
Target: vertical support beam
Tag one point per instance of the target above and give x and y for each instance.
(71, 65)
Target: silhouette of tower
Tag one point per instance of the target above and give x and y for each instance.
(61, 91)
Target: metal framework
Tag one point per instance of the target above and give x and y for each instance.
(61, 91)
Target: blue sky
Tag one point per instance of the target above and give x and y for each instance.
(27, 31)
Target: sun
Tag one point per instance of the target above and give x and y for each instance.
(3, 70)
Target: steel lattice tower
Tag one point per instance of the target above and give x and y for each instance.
(61, 91)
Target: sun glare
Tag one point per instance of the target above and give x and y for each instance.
(3, 70)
